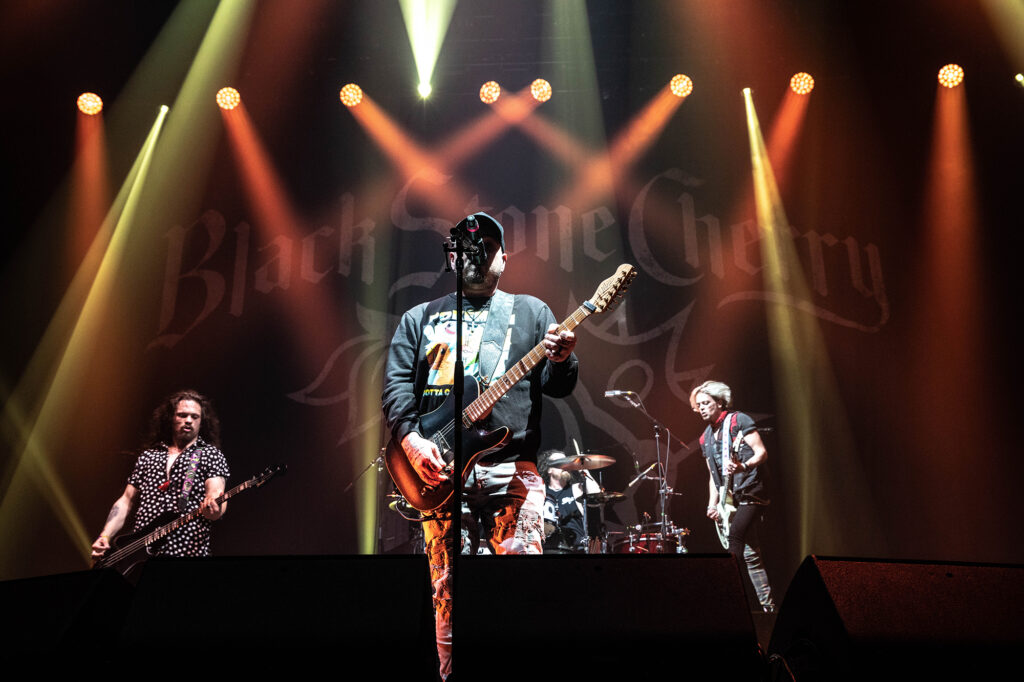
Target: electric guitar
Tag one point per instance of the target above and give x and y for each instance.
(130, 549)
(726, 504)
(439, 426)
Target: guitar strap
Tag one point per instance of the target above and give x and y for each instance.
(728, 424)
(495, 332)
(190, 479)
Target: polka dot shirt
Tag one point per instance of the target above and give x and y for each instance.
(192, 539)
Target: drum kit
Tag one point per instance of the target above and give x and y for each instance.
(641, 538)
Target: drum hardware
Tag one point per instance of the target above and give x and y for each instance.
(662, 536)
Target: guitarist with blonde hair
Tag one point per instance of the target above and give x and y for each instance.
(735, 455)
(503, 497)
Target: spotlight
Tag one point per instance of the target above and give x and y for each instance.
(951, 75)
(228, 98)
(424, 89)
(351, 95)
(90, 103)
(801, 83)
(541, 90)
(1020, 79)
(680, 85)
(490, 92)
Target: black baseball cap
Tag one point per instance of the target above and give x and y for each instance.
(489, 227)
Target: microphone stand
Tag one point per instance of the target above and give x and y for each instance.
(659, 428)
(457, 244)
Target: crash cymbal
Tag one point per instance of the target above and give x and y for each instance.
(602, 497)
(580, 462)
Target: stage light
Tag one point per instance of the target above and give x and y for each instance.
(424, 89)
(951, 75)
(541, 90)
(90, 103)
(801, 83)
(490, 92)
(351, 95)
(680, 85)
(1020, 79)
(228, 98)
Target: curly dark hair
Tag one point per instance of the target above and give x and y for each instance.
(543, 459)
(161, 424)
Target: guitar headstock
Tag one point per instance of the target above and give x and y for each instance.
(269, 473)
(611, 291)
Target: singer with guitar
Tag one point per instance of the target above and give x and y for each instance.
(736, 456)
(503, 497)
(183, 469)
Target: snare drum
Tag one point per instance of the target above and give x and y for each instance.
(648, 543)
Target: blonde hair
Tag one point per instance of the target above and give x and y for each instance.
(719, 392)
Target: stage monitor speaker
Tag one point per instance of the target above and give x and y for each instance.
(315, 614)
(870, 619)
(602, 618)
(70, 613)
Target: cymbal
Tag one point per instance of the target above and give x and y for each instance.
(601, 497)
(580, 462)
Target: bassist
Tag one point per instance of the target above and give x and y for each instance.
(735, 454)
(503, 500)
(183, 469)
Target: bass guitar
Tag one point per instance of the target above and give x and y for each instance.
(439, 427)
(130, 549)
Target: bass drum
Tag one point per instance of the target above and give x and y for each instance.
(649, 543)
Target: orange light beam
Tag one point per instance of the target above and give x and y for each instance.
(449, 199)
(950, 360)
(276, 218)
(90, 187)
(602, 171)
(504, 113)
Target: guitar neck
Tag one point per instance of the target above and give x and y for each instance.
(476, 410)
(195, 513)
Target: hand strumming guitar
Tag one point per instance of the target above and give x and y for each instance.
(424, 457)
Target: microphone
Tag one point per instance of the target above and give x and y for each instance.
(629, 396)
(475, 241)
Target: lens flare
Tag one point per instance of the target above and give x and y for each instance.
(541, 90)
(228, 98)
(90, 103)
(351, 95)
(681, 85)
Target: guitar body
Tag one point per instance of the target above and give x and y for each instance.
(726, 509)
(726, 502)
(438, 427)
(125, 562)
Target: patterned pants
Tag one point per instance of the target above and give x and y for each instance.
(502, 508)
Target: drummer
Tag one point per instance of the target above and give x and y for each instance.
(563, 505)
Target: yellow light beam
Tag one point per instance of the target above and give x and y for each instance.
(812, 416)
(426, 22)
(32, 462)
